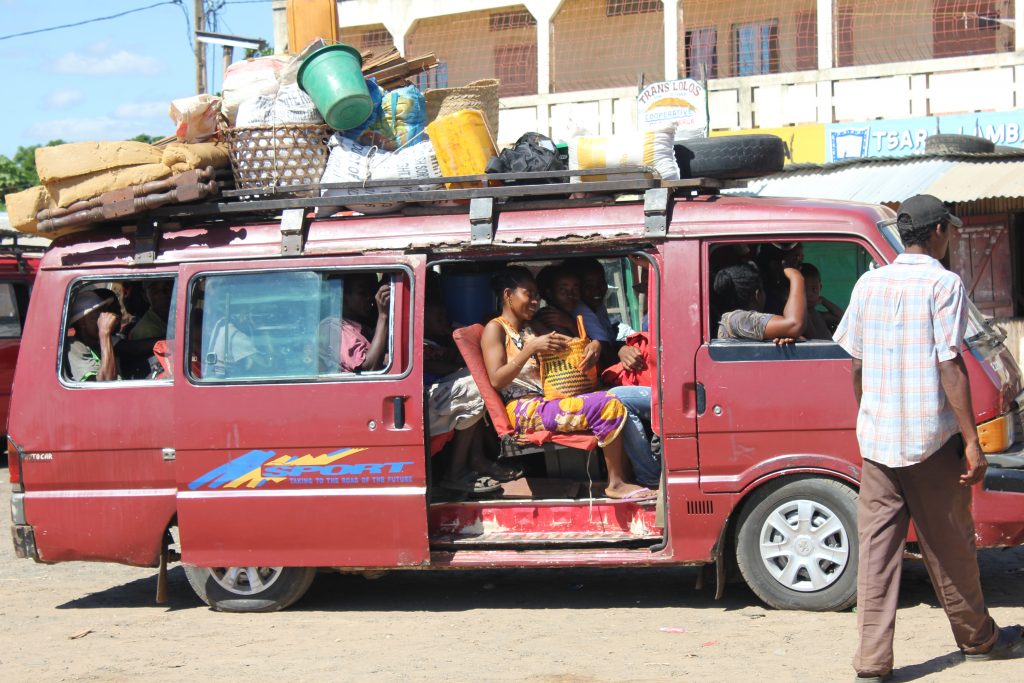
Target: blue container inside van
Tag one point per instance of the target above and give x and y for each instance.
(468, 298)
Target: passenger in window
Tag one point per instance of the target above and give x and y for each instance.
(509, 348)
(96, 319)
(358, 341)
(819, 325)
(773, 259)
(454, 404)
(560, 288)
(738, 300)
(153, 323)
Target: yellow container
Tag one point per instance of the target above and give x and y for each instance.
(463, 145)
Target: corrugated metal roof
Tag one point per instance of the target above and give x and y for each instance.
(961, 178)
(875, 183)
(971, 181)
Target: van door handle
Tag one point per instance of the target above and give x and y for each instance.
(399, 412)
(702, 399)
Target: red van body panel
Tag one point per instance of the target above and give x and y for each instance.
(350, 488)
(94, 489)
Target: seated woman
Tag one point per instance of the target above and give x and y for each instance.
(738, 299)
(359, 340)
(819, 324)
(509, 347)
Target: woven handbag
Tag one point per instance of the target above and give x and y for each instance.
(560, 373)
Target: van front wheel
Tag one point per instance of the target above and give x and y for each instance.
(249, 589)
(797, 545)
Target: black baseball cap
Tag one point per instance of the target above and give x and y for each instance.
(924, 210)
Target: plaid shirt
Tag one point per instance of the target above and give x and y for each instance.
(903, 320)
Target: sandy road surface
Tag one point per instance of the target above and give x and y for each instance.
(93, 622)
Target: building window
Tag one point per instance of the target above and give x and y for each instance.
(843, 35)
(507, 21)
(376, 37)
(516, 67)
(964, 27)
(756, 48)
(807, 40)
(702, 53)
(433, 78)
(618, 8)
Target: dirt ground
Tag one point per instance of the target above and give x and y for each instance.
(98, 622)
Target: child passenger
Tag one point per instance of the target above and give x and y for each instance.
(738, 297)
(819, 325)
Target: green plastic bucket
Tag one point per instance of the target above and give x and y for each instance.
(333, 77)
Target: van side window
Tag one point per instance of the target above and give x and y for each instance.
(293, 325)
(749, 287)
(118, 329)
(12, 313)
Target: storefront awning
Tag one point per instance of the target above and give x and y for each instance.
(884, 181)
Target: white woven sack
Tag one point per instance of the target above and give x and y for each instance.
(350, 162)
(650, 148)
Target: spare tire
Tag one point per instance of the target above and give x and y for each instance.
(949, 143)
(732, 156)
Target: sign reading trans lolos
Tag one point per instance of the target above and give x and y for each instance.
(683, 103)
(904, 137)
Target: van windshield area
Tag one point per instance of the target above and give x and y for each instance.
(13, 306)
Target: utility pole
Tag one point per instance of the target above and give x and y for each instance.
(200, 24)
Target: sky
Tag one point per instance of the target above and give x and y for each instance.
(107, 80)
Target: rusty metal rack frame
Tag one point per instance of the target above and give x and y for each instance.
(522, 191)
(18, 252)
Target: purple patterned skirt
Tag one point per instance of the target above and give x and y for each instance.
(598, 412)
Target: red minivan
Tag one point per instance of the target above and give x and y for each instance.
(18, 266)
(256, 467)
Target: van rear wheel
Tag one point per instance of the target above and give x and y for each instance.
(797, 545)
(250, 589)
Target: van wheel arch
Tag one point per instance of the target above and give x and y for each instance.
(831, 500)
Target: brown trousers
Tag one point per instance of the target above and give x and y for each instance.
(929, 493)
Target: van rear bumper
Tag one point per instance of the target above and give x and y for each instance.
(24, 542)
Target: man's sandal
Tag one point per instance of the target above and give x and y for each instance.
(1008, 645)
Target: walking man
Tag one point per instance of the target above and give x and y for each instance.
(905, 328)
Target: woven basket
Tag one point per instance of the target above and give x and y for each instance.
(274, 155)
(481, 95)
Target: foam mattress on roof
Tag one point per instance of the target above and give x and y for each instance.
(75, 159)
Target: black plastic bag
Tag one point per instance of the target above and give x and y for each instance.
(532, 152)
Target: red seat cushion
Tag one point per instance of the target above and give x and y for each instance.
(467, 339)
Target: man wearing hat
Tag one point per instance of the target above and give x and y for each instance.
(96, 317)
(905, 330)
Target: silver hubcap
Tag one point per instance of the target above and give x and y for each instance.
(246, 580)
(804, 545)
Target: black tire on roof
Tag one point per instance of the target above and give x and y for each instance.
(949, 143)
(733, 156)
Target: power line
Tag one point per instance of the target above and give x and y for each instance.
(91, 21)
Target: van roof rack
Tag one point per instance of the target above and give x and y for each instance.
(12, 248)
(633, 180)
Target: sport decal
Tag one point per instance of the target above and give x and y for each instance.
(256, 468)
